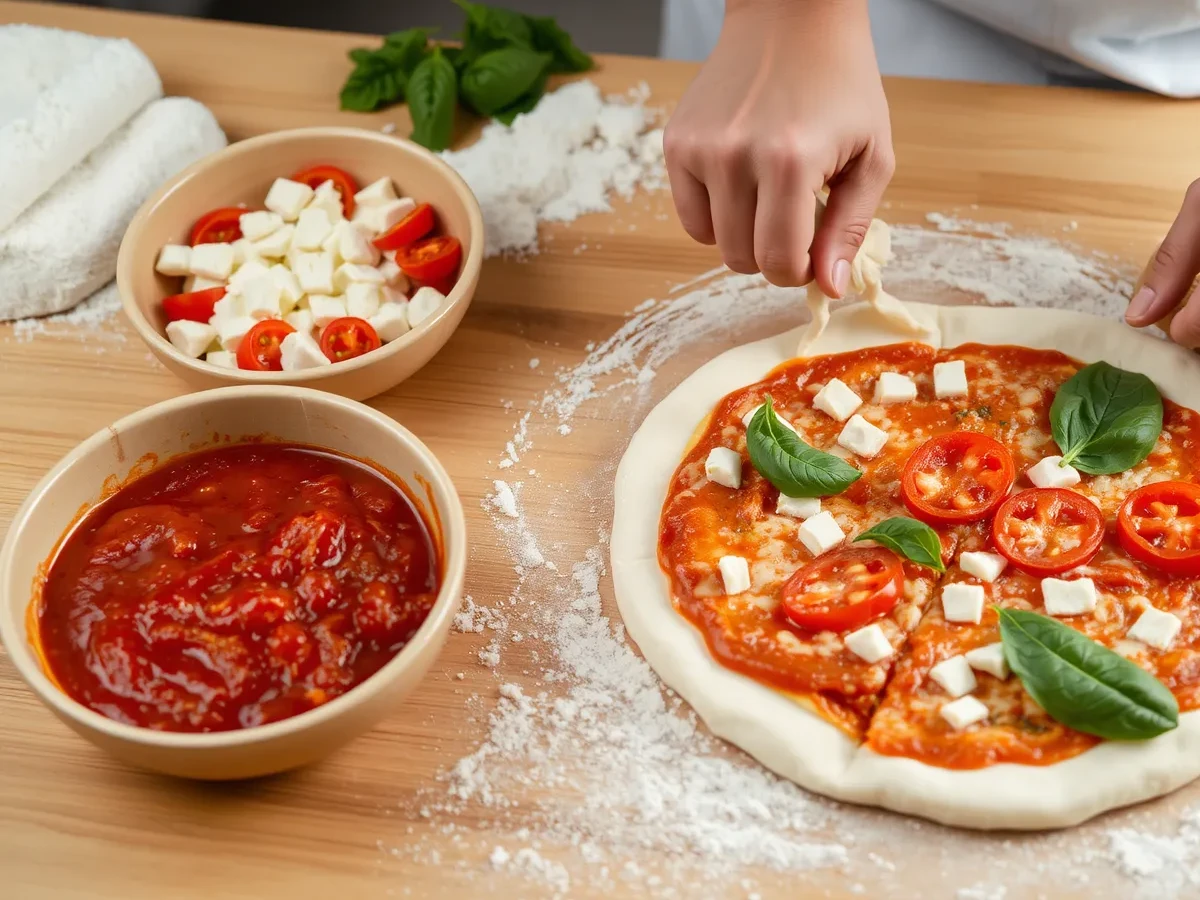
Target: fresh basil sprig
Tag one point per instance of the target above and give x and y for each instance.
(794, 467)
(1083, 684)
(1106, 420)
(499, 71)
(913, 540)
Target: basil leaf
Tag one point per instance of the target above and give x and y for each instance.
(489, 27)
(1106, 420)
(432, 96)
(499, 77)
(381, 76)
(549, 38)
(407, 48)
(794, 467)
(1083, 684)
(523, 104)
(913, 540)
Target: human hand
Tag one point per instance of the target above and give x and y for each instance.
(789, 101)
(1164, 293)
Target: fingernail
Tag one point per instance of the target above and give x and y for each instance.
(1140, 304)
(841, 276)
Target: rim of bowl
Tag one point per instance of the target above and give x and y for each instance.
(469, 276)
(454, 526)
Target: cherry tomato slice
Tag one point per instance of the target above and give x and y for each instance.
(432, 259)
(1159, 524)
(261, 350)
(957, 477)
(1044, 531)
(342, 180)
(348, 337)
(221, 226)
(196, 306)
(408, 230)
(843, 590)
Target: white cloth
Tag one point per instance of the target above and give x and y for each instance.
(1154, 44)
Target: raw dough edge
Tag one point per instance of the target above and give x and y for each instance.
(798, 744)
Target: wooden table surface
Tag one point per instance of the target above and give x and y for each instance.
(73, 823)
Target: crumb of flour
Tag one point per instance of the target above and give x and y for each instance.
(90, 320)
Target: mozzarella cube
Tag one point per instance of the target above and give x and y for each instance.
(228, 307)
(837, 400)
(298, 350)
(190, 338)
(861, 437)
(352, 245)
(251, 270)
(312, 229)
(724, 467)
(351, 273)
(963, 712)
(990, 659)
(301, 320)
(1068, 598)
(200, 283)
(222, 358)
(391, 321)
(892, 387)
(362, 300)
(393, 275)
(244, 252)
(384, 216)
(1049, 474)
(328, 198)
(212, 261)
(314, 271)
(798, 507)
(984, 566)
(735, 573)
(288, 198)
(290, 291)
(786, 424)
(375, 193)
(175, 260)
(962, 603)
(275, 246)
(260, 297)
(954, 675)
(1155, 628)
(257, 225)
(950, 379)
(869, 644)
(424, 303)
(325, 309)
(230, 331)
(820, 533)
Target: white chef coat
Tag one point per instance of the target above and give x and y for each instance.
(1153, 44)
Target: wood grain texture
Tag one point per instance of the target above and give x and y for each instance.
(74, 824)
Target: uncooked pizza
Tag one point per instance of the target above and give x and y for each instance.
(954, 577)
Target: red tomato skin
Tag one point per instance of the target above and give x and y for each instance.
(260, 350)
(315, 176)
(1080, 507)
(195, 306)
(411, 228)
(431, 260)
(218, 226)
(1175, 493)
(348, 337)
(886, 584)
(941, 451)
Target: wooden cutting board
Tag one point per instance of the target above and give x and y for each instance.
(75, 824)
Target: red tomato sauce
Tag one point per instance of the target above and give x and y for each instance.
(236, 586)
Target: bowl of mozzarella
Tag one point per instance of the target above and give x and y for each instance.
(335, 258)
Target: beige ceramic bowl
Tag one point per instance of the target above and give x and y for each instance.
(242, 173)
(185, 423)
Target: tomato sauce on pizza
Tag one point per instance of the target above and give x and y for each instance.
(962, 465)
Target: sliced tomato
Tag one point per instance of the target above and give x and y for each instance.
(1159, 524)
(221, 226)
(196, 306)
(430, 260)
(408, 230)
(261, 349)
(957, 477)
(843, 590)
(1044, 531)
(348, 337)
(342, 180)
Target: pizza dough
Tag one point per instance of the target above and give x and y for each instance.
(779, 731)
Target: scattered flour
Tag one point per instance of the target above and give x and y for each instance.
(90, 320)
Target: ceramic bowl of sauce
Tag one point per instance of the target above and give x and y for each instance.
(205, 600)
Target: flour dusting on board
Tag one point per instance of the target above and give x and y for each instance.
(604, 776)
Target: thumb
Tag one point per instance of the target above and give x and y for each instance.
(1169, 275)
(854, 196)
